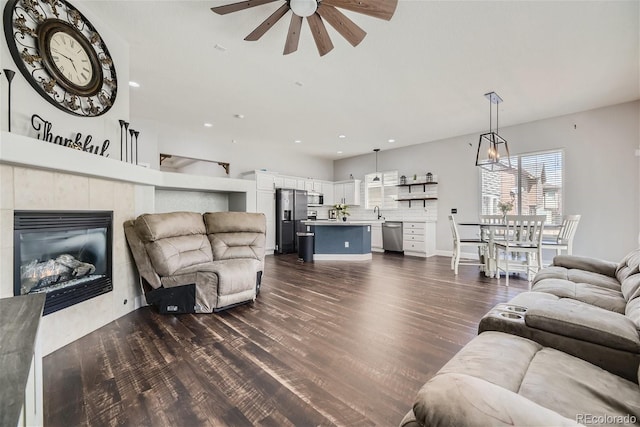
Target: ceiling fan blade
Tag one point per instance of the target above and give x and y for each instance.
(383, 9)
(342, 24)
(320, 35)
(235, 7)
(268, 23)
(293, 36)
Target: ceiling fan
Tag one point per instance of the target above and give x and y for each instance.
(316, 11)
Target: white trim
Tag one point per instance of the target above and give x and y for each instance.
(342, 257)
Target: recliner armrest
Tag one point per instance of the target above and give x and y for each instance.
(462, 400)
(575, 319)
(607, 268)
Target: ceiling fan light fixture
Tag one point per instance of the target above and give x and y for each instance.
(303, 8)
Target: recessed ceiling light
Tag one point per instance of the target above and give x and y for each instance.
(391, 140)
(220, 48)
(339, 152)
(342, 136)
(299, 84)
(208, 125)
(297, 141)
(134, 84)
(239, 116)
(233, 141)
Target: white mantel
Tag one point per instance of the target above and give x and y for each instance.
(30, 152)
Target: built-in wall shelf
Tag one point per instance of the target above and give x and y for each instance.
(416, 196)
(411, 184)
(419, 199)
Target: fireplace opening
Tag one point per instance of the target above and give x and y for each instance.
(65, 254)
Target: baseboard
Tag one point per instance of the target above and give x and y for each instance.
(342, 257)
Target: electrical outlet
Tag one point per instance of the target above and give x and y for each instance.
(346, 244)
(454, 210)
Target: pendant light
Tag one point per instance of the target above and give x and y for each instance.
(493, 151)
(376, 178)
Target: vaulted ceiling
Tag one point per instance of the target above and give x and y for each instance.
(417, 78)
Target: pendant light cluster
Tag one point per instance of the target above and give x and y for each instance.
(493, 151)
(376, 178)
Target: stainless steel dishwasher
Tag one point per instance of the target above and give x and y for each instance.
(392, 236)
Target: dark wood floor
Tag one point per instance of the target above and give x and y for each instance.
(326, 343)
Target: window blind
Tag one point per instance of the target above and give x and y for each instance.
(534, 185)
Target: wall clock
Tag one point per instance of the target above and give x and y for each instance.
(61, 55)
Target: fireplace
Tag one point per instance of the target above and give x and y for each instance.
(65, 254)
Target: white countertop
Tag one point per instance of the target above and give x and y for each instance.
(333, 222)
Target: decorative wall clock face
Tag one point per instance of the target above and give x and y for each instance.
(61, 55)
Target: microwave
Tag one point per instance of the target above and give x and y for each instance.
(315, 199)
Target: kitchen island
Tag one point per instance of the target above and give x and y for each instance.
(341, 240)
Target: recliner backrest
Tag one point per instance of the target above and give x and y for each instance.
(236, 234)
(174, 240)
(629, 265)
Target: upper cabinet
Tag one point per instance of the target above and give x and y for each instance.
(347, 192)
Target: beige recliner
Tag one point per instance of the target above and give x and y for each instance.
(218, 256)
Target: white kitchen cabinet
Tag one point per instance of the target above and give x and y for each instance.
(301, 184)
(326, 188)
(264, 181)
(290, 182)
(419, 238)
(376, 238)
(266, 203)
(347, 192)
(278, 182)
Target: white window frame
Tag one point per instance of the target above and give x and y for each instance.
(488, 201)
(389, 189)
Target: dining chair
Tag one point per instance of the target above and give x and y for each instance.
(523, 237)
(564, 240)
(458, 243)
(493, 220)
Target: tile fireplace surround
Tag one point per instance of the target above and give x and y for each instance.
(37, 175)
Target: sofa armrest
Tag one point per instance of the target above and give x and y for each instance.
(575, 319)
(607, 268)
(462, 400)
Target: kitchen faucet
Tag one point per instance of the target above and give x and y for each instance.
(378, 208)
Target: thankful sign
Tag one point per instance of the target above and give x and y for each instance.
(44, 133)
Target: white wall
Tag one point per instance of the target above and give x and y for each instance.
(26, 101)
(601, 173)
(156, 138)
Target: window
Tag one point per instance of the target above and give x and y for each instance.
(382, 193)
(533, 184)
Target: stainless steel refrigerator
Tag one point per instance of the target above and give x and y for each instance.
(291, 209)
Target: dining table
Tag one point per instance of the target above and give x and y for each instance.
(490, 232)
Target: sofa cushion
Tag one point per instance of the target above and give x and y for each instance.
(571, 386)
(631, 287)
(577, 275)
(575, 319)
(171, 254)
(499, 358)
(234, 222)
(152, 227)
(633, 312)
(454, 400)
(235, 235)
(629, 265)
(575, 262)
(606, 298)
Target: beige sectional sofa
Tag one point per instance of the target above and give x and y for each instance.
(566, 353)
(500, 379)
(220, 254)
(582, 306)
